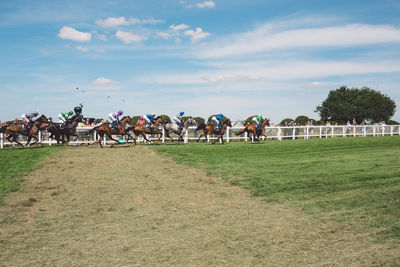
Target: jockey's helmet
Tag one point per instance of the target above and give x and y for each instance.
(181, 112)
(35, 113)
(154, 114)
(120, 112)
(78, 109)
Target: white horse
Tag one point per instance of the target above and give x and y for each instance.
(172, 127)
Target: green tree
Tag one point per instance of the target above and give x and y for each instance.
(286, 120)
(165, 118)
(199, 120)
(301, 119)
(344, 104)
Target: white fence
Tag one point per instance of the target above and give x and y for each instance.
(231, 135)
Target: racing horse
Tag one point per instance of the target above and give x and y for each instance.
(256, 132)
(209, 129)
(60, 134)
(104, 129)
(141, 129)
(172, 127)
(16, 128)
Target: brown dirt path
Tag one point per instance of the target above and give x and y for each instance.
(130, 206)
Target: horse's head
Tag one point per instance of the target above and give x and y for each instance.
(228, 123)
(190, 121)
(158, 120)
(127, 120)
(265, 123)
(42, 119)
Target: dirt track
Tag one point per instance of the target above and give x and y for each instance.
(129, 206)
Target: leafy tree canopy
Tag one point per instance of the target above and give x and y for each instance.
(365, 104)
(301, 119)
(287, 120)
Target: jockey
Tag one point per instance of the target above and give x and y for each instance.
(149, 118)
(217, 120)
(65, 117)
(178, 119)
(257, 121)
(115, 118)
(28, 117)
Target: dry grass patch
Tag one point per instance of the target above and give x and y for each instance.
(130, 206)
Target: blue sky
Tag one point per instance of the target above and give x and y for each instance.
(275, 58)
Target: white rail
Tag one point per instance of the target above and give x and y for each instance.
(231, 135)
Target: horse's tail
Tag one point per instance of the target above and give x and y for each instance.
(242, 131)
(93, 129)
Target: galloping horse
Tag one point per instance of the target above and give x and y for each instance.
(59, 133)
(16, 128)
(104, 129)
(143, 131)
(256, 132)
(172, 127)
(209, 129)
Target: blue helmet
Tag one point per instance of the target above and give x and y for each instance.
(221, 114)
(181, 112)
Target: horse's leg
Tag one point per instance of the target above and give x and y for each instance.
(100, 139)
(15, 140)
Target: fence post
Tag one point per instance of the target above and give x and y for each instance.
(40, 136)
(320, 131)
(294, 133)
(227, 134)
(344, 131)
(306, 137)
(354, 130)
(279, 133)
(245, 136)
(374, 130)
(208, 138)
(2, 140)
(104, 140)
(391, 130)
(163, 135)
(383, 130)
(186, 135)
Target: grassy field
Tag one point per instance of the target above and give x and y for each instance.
(15, 163)
(345, 179)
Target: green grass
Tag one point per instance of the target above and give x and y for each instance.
(15, 163)
(345, 179)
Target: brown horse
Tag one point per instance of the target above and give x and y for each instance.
(210, 129)
(144, 131)
(16, 128)
(104, 129)
(256, 132)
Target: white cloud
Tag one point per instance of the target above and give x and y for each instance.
(316, 84)
(113, 22)
(103, 82)
(197, 35)
(164, 35)
(179, 27)
(122, 21)
(265, 38)
(70, 33)
(209, 4)
(128, 37)
(82, 49)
